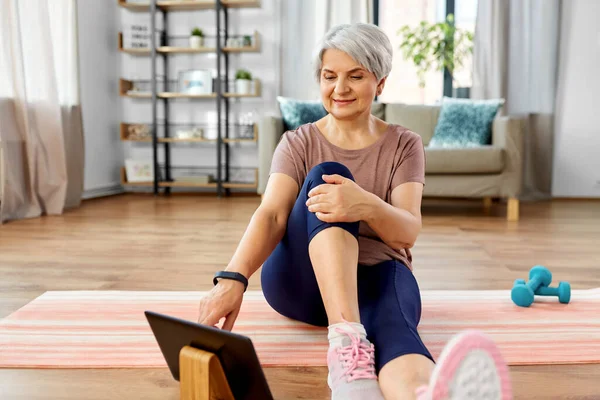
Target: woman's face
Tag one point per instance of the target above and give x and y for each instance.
(347, 89)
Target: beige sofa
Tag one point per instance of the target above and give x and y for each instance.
(486, 172)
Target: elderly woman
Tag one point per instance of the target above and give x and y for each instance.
(334, 231)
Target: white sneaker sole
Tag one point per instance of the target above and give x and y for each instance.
(470, 368)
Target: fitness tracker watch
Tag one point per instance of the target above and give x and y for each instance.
(236, 276)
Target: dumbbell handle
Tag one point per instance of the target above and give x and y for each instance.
(547, 291)
(534, 284)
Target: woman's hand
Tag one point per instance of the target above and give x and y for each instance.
(339, 200)
(223, 301)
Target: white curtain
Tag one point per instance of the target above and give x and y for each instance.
(298, 41)
(516, 58)
(40, 116)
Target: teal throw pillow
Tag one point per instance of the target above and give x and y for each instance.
(299, 112)
(465, 122)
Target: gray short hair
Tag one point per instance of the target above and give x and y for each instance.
(366, 43)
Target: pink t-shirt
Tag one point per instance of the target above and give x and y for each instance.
(395, 158)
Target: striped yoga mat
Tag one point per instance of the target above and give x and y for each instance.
(107, 329)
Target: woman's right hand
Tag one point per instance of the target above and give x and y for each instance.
(223, 301)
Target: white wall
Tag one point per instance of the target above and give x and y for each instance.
(577, 135)
(264, 65)
(98, 70)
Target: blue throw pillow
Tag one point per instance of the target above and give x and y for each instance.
(299, 112)
(465, 122)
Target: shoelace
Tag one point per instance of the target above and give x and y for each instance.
(358, 358)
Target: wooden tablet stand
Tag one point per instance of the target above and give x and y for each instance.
(201, 376)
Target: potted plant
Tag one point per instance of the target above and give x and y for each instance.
(196, 38)
(437, 46)
(247, 41)
(243, 82)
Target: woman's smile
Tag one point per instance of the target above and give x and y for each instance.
(343, 102)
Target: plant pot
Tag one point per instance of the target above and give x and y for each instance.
(196, 42)
(243, 86)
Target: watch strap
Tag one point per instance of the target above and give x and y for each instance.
(236, 276)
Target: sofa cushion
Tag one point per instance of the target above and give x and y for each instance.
(420, 119)
(465, 122)
(296, 112)
(471, 160)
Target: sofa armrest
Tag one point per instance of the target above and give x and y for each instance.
(509, 133)
(269, 132)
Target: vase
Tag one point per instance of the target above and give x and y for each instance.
(243, 86)
(196, 42)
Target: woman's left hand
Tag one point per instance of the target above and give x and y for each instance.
(339, 200)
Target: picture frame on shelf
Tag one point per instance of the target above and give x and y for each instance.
(138, 36)
(139, 170)
(196, 81)
(139, 132)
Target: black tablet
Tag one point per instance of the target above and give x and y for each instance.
(235, 352)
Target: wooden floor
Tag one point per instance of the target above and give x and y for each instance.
(139, 242)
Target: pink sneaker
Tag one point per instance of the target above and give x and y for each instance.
(469, 368)
(352, 369)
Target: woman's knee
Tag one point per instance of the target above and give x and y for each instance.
(314, 179)
(328, 168)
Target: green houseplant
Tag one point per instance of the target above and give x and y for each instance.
(196, 38)
(243, 81)
(436, 46)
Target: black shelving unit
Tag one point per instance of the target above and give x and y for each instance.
(221, 94)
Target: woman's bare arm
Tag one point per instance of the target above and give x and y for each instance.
(398, 224)
(267, 226)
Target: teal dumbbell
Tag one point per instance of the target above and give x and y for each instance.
(523, 293)
(563, 292)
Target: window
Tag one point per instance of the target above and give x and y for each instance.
(403, 83)
(38, 54)
(465, 16)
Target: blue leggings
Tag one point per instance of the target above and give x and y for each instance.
(388, 294)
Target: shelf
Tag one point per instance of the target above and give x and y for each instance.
(177, 140)
(239, 185)
(246, 49)
(189, 50)
(125, 183)
(257, 91)
(241, 3)
(196, 140)
(163, 49)
(190, 184)
(175, 95)
(125, 138)
(251, 185)
(134, 6)
(184, 50)
(254, 137)
(166, 132)
(187, 184)
(189, 5)
(135, 52)
(126, 85)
